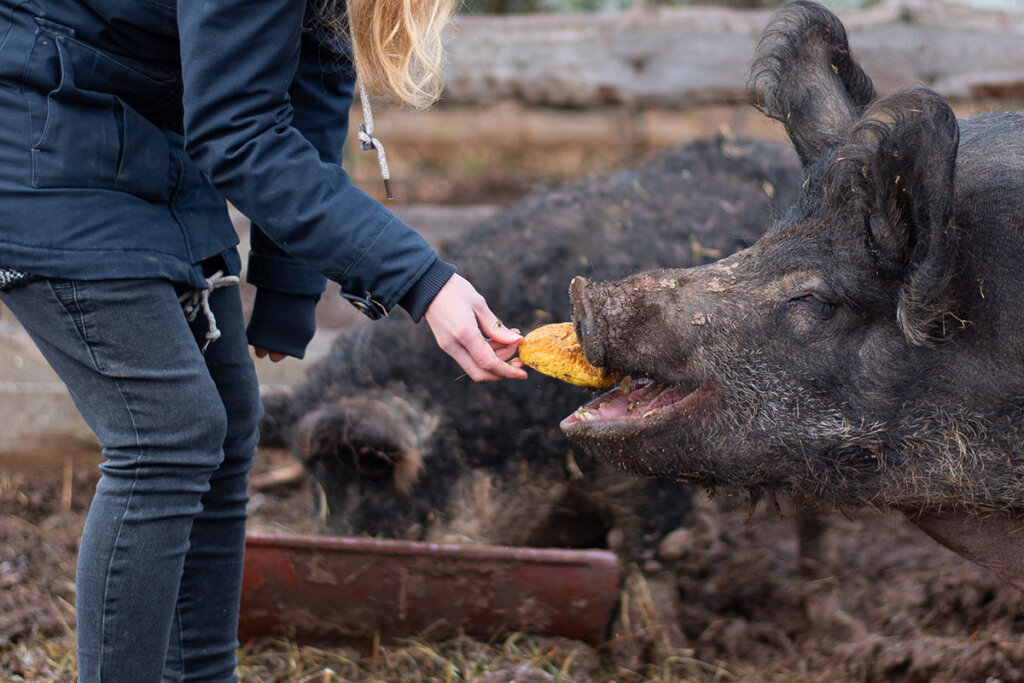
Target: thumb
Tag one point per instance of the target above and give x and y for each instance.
(495, 330)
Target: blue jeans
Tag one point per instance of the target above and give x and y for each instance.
(160, 563)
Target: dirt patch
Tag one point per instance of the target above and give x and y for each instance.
(891, 604)
(725, 599)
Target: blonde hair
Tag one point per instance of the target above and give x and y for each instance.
(397, 44)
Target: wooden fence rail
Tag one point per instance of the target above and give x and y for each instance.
(686, 56)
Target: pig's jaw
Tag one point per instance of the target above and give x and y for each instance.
(633, 403)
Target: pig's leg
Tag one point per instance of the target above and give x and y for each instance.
(813, 538)
(994, 541)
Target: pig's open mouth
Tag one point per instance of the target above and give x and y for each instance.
(635, 401)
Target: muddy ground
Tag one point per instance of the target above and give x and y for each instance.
(726, 599)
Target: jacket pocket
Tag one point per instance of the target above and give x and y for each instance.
(84, 137)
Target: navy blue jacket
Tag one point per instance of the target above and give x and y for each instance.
(125, 124)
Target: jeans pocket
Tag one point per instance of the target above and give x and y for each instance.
(66, 293)
(81, 301)
(85, 137)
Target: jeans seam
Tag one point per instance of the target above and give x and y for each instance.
(127, 506)
(78, 320)
(181, 640)
(77, 316)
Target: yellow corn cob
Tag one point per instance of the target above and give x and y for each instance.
(555, 351)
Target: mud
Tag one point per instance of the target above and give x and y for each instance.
(728, 597)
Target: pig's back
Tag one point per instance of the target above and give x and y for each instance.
(989, 201)
(989, 214)
(990, 159)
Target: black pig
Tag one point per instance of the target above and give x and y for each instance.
(869, 349)
(404, 447)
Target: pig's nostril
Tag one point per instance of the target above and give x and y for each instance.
(585, 300)
(576, 289)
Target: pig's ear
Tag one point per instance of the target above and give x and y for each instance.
(804, 76)
(897, 171)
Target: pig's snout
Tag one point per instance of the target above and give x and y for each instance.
(587, 301)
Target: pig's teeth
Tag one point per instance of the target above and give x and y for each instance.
(649, 413)
(583, 414)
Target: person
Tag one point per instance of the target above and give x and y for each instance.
(125, 128)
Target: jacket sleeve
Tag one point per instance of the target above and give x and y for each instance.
(243, 62)
(287, 290)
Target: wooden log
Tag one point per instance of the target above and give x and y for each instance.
(293, 474)
(687, 56)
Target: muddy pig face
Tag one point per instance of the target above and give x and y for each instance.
(747, 370)
(739, 361)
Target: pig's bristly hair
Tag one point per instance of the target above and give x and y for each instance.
(897, 168)
(804, 76)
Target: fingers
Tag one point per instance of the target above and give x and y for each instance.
(494, 329)
(484, 360)
(470, 333)
(275, 356)
(504, 351)
(487, 361)
(482, 363)
(502, 343)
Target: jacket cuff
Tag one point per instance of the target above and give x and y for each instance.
(282, 322)
(419, 297)
(284, 275)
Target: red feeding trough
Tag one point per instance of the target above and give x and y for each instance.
(319, 589)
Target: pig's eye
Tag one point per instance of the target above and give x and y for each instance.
(819, 306)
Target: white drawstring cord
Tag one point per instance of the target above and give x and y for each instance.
(196, 299)
(368, 142)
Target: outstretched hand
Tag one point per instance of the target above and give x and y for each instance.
(467, 330)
